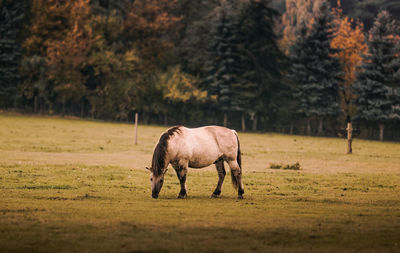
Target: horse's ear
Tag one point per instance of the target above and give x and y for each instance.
(147, 168)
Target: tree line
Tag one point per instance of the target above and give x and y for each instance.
(294, 66)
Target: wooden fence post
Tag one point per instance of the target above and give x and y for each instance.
(136, 127)
(349, 137)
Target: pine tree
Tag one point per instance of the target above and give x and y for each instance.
(223, 68)
(379, 76)
(198, 17)
(315, 71)
(395, 85)
(11, 16)
(262, 61)
(367, 10)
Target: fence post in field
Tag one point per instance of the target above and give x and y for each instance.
(349, 137)
(136, 126)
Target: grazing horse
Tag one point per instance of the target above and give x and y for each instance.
(196, 148)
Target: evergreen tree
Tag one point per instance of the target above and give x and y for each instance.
(261, 63)
(11, 16)
(395, 85)
(223, 68)
(315, 71)
(198, 17)
(379, 80)
(367, 10)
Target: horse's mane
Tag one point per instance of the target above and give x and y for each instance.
(160, 151)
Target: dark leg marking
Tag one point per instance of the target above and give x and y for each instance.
(182, 180)
(221, 175)
(240, 186)
(237, 174)
(182, 193)
(240, 193)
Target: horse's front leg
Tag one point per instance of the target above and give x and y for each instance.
(181, 172)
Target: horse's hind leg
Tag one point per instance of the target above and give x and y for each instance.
(236, 177)
(181, 172)
(221, 175)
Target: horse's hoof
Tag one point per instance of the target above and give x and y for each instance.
(240, 196)
(214, 196)
(182, 196)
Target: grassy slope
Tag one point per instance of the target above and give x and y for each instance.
(70, 185)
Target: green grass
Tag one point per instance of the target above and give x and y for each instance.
(70, 185)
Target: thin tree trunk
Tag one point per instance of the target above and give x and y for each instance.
(35, 104)
(63, 107)
(308, 127)
(243, 123)
(136, 127)
(165, 119)
(381, 131)
(145, 118)
(320, 126)
(225, 119)
(255, 122)
(92, 110)
(82, 107)
(291, 128)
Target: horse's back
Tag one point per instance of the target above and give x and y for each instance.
(224, 137)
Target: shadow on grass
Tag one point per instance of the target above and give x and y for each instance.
(197, 197)
(129, 236)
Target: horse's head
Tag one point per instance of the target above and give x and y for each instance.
(157, 181)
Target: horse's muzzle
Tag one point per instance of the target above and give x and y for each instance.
(154, 195)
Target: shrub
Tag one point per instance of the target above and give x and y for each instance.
(295, 166)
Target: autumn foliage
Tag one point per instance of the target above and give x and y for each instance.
(150, 25)
(285, 65)
(69, 56)
(350, 42)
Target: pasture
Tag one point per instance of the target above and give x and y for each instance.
(70, 185)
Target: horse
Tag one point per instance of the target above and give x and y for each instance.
(197, 148)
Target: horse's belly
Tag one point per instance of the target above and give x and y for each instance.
(200, 162)
(197, 164)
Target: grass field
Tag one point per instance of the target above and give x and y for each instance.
(69, 185)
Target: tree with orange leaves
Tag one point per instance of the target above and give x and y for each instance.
(48, 22)
(350, 42)
(151, 26)
(66, 58)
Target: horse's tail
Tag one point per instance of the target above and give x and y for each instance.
(239, 161)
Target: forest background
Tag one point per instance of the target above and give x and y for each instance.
(294, 66)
